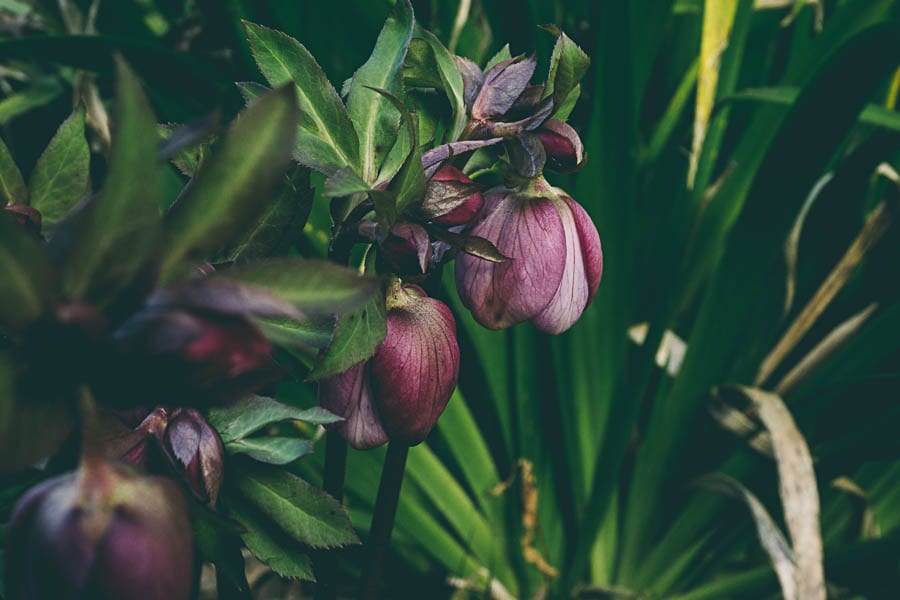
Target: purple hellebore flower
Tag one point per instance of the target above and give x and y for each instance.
(100, 532)
(462, 210)
(196, 452)
(399, 393)
(555, 267)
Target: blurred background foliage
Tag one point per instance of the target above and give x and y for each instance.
(741, 155)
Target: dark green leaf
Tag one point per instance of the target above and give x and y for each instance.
(118, 232)
(326, 140)
(315, 287)
(374, 116)
(502, 54)
(281, 225)
(356, 337)
(249, 415)
(251, 90)
(218, 541)
(42, 91)
(305, 513)
(283, 555)
(872, 114)
(12, 186)
(451, 80)
(29, 280)
(311, 333)
(61, 176)
(408, 186)
(21, 419)
(568, 66)
(273, 450)
(344, 182)
(230, 189)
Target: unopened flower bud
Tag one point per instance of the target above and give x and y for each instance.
(193, 356)
(402, 390)
(555, 267)
(565, 152)
(26, 216)
(414, 370)
(451, 198)
(100, 532)
(196, 452)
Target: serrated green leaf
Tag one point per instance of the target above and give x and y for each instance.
(568, 65)
(502, 54)
(230, 188)
(61, 176)
(117, 234)
(272, 450)
(12, 185)
(408, 186)
(356, 337)
(303, 512)
(248, 415)
(282, 222)
(283, 555)
(451, 80)
(315, 287)
(375, 118)
(326, 140)
(250, 90)
(344, 182)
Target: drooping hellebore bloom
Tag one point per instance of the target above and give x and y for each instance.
(400, 392)
(100, 532)
(555, 267)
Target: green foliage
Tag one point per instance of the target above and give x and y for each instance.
(61, 176)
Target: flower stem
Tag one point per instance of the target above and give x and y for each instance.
(383, 520)
(327, 567)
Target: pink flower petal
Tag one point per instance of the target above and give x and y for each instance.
(349, 395)
(530, 232)
(591, 250)
(572, 295)
(415, 369)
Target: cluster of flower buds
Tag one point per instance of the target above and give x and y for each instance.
(401, 391)
(100, 532)
(175, 441)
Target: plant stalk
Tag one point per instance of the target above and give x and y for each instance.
(327, 565)
(383, 520)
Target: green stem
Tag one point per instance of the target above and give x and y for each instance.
(327, 564)
(383, 520)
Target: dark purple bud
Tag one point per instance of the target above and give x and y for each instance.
(349, 395)
(565, 152)
(555, 267)
(27, 217)
(472, 78)
(196, 452)
(190, 357)
(132, 446)
(414, 370)
(451, 198)
(407, 249)
(100, 532)
(503, 84)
